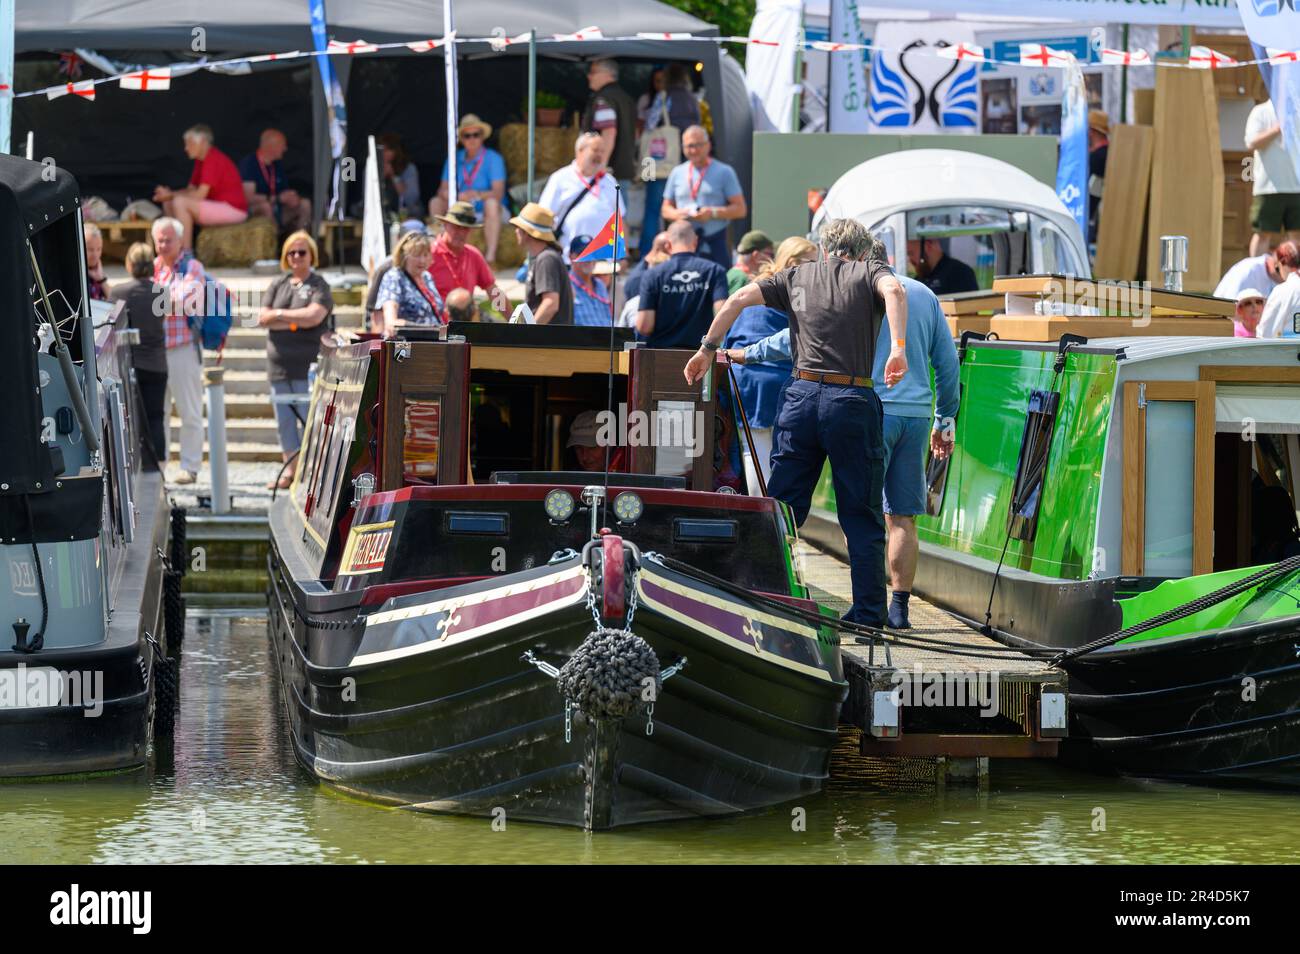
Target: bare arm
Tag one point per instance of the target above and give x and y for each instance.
(723, 319)
(390, 318)
(1264, 138)
(891, 290)
(548, 309)
(308, 316)
(734, 209)
(670, 213)
(645, 322)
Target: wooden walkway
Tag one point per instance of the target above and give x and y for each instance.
(913, 700)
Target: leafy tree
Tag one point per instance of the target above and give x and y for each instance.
(731, 17)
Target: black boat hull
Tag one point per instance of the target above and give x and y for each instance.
(438, 711)
(1220, 707)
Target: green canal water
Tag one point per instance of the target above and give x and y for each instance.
(233, 793)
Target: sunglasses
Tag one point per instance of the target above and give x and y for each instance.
(472, 135)
(295, 252)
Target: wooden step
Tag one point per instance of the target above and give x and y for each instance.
(243, 430)
(252, 451)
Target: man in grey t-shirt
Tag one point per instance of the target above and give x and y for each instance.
(830, 407)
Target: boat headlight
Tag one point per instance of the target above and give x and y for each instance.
(628, 507)
(559, 505)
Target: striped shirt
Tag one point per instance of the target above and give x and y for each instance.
(184, 297)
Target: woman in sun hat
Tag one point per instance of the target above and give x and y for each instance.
(480, 179)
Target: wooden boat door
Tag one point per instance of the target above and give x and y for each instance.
(669, 429)
(425, 415)
(1168, 492)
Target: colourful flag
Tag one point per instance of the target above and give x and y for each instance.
(607, 245)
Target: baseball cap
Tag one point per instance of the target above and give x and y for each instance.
(583, 430)
(579, 243)
(753, 241)
(1246, 294)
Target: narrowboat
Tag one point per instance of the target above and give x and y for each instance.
(1122, 500)
(465, 621)
(84, 675)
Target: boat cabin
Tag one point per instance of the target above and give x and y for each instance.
(461, 436)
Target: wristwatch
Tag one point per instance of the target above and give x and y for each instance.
(707, 345)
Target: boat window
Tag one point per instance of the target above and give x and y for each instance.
(1170, 480)
(420, 433)
(676, 438)
(886, 235)
(1058, 254)
(1027, 492)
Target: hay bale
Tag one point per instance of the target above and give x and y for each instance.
(509, 254)
(554, 149)
(237, 246)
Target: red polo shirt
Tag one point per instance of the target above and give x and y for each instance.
(465, 270)
(219, 173)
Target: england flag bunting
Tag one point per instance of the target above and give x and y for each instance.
(155, 79)
(1278, 57)
(1204, 58)
(589, 33)
(828, 47)
(426, 46)
(351, 49)
(963, 51)
(84, 89)
(1036, 54)
(1126, 57)
(665, 36)
(271, 57)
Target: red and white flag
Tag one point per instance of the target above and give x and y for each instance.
(1204, 58)
(356, 46)
(499, 43)
(828, 47)
(1126, 57)
(424, 46)
(963, 51)
(589, 33)
(85, 89)
(6, 89)
(268, 57)
(154, 79)
(1036, 54)
(1278, 57)
(755, 41)
(663, 36)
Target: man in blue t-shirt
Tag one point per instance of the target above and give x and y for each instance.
(680, 296)
(267, 188)
(480, 178)
(706, 193)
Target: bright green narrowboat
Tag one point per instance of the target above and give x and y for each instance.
(1131, 503)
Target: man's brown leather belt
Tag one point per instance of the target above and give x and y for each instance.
(834, 379)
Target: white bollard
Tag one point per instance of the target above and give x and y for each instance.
(213, 380)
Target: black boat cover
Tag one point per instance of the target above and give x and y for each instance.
(34, 197)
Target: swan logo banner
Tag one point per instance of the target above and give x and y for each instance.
(913, 90)
(848, 77)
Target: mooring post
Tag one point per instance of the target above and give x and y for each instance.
(213, 380)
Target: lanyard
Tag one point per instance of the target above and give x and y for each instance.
(432, 298)
(594, 185)
(467, 181)
(268, 175)
(693, 182)
(455, 263)
(590, 292)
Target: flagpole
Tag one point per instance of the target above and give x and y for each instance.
(449, 72)
(6, 71)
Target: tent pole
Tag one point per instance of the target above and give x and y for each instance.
(1123, 78)
(449, 60)
(6, 71)
(532, 108)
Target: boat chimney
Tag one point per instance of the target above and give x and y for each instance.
(1173, 260)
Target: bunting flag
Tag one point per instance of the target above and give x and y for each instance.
(271, 57)
(963, 51)
(85, 89)
(1036, 54)
(606, 245)
(1204, 58)
(826, 46)
(5, 88)
(155, 79)
(1125, 57)
(425, 46)
(589, 33)
(1278, 57)
(351, 49)
(664, 36)
(499, 43)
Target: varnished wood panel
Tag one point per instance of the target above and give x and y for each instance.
(1124, 202)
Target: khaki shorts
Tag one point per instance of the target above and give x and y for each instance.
(1276, 212)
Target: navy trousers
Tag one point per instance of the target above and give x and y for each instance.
(845, 424)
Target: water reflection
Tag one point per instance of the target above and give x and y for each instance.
(230, 791)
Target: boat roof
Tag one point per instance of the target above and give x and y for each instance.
(1153, 348)
(925, 178)
(34, 195)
